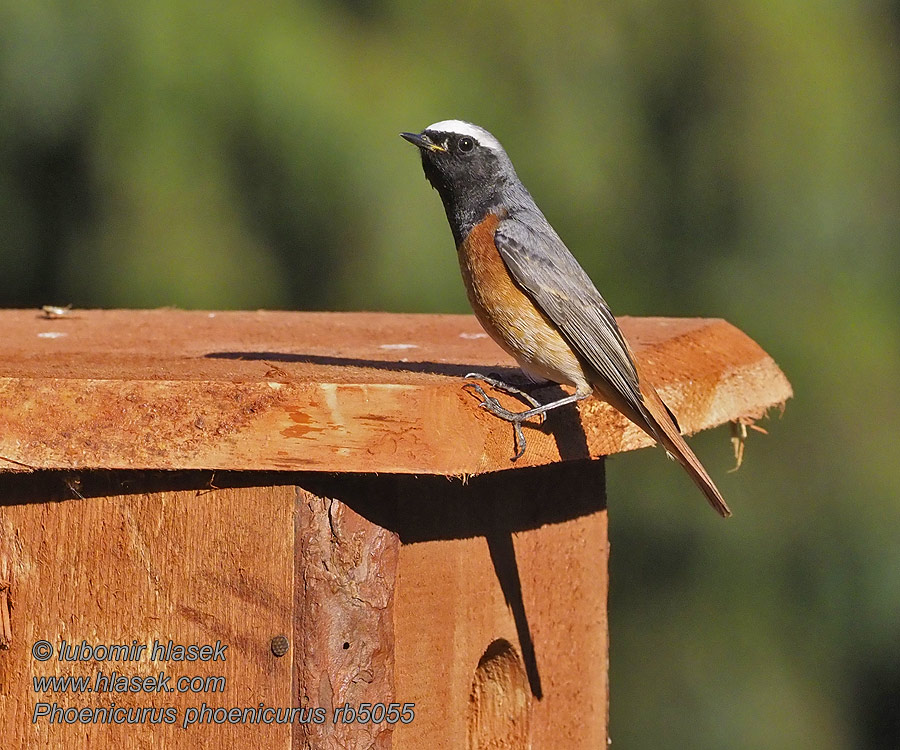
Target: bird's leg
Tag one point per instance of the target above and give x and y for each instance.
(493, 406)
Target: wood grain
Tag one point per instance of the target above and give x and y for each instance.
(157, 566)
(350, 392)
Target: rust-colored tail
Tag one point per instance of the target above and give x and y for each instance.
(663, 429)
(654, 418)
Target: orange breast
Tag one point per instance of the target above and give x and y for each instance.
(508, 314)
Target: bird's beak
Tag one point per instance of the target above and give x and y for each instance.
(422, 141)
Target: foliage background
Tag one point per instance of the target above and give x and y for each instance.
(739, 160)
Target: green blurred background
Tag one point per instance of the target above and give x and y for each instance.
(737, 160)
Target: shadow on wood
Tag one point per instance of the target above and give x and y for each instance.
(564, 424)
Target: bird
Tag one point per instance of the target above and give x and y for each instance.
(534, 299)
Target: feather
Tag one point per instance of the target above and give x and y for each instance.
(543, 267)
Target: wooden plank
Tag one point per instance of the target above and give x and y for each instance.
(349, 392)
(500, 612)
(134, 561)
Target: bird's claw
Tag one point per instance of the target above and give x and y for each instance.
(493, 406)
(487, 402)
(520, 441)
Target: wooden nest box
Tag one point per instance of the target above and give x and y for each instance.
(316, 501)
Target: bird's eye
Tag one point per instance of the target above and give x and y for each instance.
(465, 144)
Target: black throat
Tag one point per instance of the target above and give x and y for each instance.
(467, 198)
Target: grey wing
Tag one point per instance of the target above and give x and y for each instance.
(560, 287)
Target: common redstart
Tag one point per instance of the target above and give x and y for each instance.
(533, 298)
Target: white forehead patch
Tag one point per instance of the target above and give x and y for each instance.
(460, 127)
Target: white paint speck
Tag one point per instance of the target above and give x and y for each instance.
(473, 335)
(51, 335)
(398, 346)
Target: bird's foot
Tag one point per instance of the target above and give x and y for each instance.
(492, 405)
